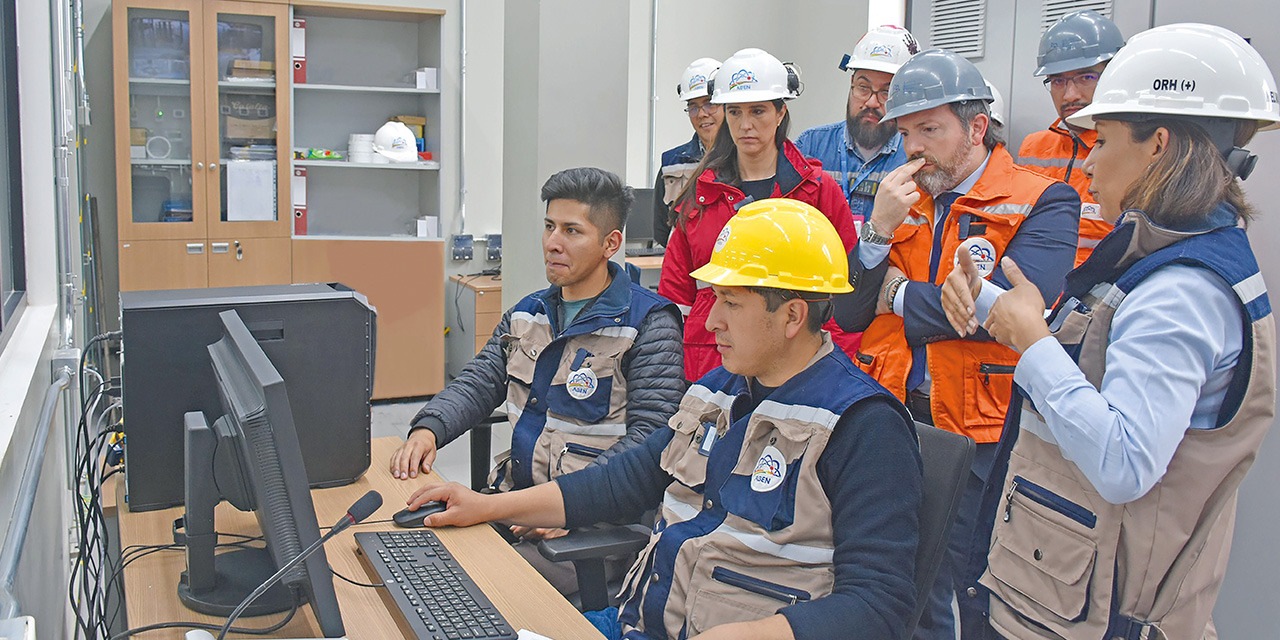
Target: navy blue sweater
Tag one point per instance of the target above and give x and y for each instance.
(870, 472)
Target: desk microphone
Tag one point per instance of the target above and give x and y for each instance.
(363, 508)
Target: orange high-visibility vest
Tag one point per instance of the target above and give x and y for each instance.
(972, 380)
(1059, 153)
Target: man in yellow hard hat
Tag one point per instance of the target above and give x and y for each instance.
(787, 483)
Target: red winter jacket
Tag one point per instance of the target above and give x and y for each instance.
(799, 178)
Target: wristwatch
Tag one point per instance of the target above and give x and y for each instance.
(869, 235)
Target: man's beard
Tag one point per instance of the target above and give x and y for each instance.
(870, 136)
(944, 175)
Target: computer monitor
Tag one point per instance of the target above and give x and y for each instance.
(250, 457)
(640, 220)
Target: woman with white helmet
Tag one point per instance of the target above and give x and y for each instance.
(1146, 392)
(679, 162)
(752, 159)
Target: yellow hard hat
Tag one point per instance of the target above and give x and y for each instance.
(782, 244)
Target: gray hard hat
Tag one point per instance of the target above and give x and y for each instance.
(1077, 40)
(932, 78)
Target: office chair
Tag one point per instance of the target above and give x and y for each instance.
(946, 457)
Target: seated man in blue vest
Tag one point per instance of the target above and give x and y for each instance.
(586, 368)
(788, 482)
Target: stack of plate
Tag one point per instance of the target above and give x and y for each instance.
(360, 148)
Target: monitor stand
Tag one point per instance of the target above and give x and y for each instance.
(216, 584)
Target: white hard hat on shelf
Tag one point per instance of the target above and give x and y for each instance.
(752, 75)
(395, 141)
(883, 48)
(694, 80)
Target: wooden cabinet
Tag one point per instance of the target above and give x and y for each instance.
(402, 280)
(163, 264)
(473, 310)
(202, 142)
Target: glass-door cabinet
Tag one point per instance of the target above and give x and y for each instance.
(201, 101)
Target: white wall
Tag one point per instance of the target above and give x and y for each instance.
(814, 34)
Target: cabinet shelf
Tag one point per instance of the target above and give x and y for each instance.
(160, 81)
(361, 89)
(254, 86)
(160, 162)
(429, 165)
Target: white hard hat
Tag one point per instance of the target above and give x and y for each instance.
(693, 83)
(395, 141)
(752, 75)
(883, 48)
(997, 105)
(1192, 70)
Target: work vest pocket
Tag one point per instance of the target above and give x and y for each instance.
(1043, 553)
(585, 394)
(500, 475)
(522, 358)
(989, 383)
(574, 452)
(727, 588)
(870, 365)
(681, 457)
(762, 487)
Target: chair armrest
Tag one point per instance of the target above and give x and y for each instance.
(599, 542)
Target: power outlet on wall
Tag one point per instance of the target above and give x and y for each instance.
(494, 243)
(463, 246)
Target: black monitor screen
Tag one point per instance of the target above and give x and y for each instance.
(251, 458)
(640, 220)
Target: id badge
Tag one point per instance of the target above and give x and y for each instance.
(709, 436)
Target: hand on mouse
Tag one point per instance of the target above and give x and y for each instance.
(465, 507)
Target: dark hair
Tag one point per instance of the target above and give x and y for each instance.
(1190, 179)
(967, 110)
(609, 198)
(722, 158)
(820, 309)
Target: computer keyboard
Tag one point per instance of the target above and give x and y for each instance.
(436, 599)
(645, 252)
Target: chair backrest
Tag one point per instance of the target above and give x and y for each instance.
(947, 457)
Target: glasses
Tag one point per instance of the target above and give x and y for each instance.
(707, 108)
(864, 92)
(1083, 81)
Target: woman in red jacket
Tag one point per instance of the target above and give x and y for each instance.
(752, 160)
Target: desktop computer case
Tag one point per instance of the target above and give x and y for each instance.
(320, 337)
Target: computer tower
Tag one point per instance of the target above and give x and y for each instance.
(321, 338)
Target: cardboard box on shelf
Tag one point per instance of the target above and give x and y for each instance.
(137, 136)
(249, 118)
(416, 124)
(252, 69)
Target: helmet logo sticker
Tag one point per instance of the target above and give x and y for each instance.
(697, 82)
(770, 470)
(1090, 211)
(582, 384)
(721, 239)
(983, 254)
(880, 51)
(741, 79)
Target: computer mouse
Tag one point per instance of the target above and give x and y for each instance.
(411, 519)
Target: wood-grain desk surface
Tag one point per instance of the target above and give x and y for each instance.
(646, 262)
(524, 597)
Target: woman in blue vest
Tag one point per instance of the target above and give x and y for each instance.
(1148, 389)
(679, 162)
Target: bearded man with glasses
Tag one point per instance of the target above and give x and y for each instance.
(1073, 53)
(860, 151)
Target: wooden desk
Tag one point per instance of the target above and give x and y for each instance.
(524, 597)
(646, 262)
